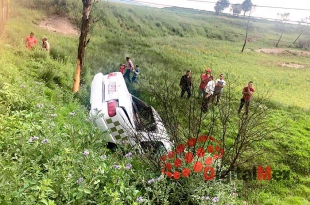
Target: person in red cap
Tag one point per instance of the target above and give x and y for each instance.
(204, 78)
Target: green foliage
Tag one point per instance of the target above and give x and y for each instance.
(247, 6)
(52, 7)
(221, 5)
(304, 44)
(164, 42)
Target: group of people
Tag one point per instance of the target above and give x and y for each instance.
(211, 90)
(127, 69)
(31, 42)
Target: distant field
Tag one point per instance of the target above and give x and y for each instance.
(288, 86)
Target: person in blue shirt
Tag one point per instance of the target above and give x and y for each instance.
(135, 74)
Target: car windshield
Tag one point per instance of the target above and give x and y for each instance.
(144, 115)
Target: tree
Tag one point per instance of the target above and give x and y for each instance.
(221, 5)
(246, 6)
(246, 34)
(82, 43)
(247, 30)
(304, 22)
(236, 9)
(237, 135)
(283, 17)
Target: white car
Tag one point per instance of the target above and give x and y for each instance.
(126, 118)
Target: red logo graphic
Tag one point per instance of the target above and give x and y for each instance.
(196, 156)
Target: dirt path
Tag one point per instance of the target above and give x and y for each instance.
(283, 51)
(59, 24)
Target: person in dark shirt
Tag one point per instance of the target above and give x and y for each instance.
(186, 84)
(135, 74)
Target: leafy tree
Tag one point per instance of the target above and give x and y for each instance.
(221, 5)
(236, 9)
(246, 6)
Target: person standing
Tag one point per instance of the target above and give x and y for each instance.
(209, 89)
(246, 98)
(122, 68)
(31, 41)
(129, 69)
(203, 82)
(186, 84)
(219, 85)
(135, 74)
(45, 45)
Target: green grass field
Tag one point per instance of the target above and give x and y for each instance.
(163, 43)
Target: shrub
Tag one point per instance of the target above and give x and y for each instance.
(59, 54)
(304, 44)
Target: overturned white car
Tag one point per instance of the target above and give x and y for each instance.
(125, 117)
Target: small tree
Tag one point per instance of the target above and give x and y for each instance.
(283, 18)
(247, 29)
(303, 23)
(221, 5)
(238, 135)
(246, 6)
(236, 9)
(82, 43)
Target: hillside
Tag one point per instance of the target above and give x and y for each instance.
(68, 163)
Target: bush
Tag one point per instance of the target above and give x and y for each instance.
(304, 44)
(38, 54)
(58, 53)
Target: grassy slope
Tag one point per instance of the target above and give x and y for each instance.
(164, 44)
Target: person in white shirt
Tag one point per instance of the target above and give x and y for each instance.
(219, 85)
(45, 45)
(209, 89)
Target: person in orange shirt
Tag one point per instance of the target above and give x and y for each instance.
(31, 41)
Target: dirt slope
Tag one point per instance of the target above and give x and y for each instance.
(59, 24)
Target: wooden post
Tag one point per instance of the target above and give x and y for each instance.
(246, 34)
(2, 18)
(7, 9)
(279, 40)
(82, 44)
(2, 11)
